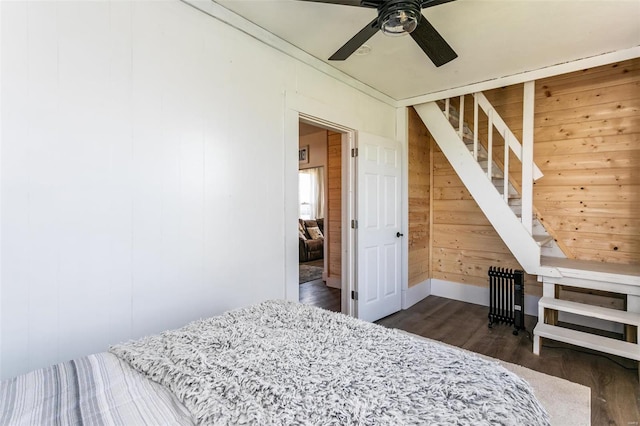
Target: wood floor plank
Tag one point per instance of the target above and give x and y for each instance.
(317, 293)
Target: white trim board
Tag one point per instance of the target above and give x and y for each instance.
(480, 296)
(1, 275)
(550, 71)
(475, 294)
(415, 293)
(242, 24)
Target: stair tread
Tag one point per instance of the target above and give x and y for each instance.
(495, 172)
(584, 269)
(542, 239)
(587, 340)
(482, 156)
(615, 315)
(594, 266)
(511, 191)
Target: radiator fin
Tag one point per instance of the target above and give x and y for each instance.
(506, 297)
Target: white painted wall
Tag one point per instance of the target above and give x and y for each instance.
(147, 167)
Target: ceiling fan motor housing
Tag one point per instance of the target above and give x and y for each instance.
(399, 17)
(396, 18)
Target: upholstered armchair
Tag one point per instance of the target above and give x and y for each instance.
(311, 239)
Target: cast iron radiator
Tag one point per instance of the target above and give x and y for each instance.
(506, 297)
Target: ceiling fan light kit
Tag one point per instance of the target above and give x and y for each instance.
(396, 18)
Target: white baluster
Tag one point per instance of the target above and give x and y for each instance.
(490, 144)
(461, 118)
(475, 127)
(506, 167)
(447, 105)
(527, 155)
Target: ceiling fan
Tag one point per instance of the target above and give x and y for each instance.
(396, 18)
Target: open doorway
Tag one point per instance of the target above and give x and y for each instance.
(320, 216)
(362, 226)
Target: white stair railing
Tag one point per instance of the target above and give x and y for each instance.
(503, 129)
(530, 172)
(506, 223)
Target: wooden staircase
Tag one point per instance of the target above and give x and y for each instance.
(513, 199)
(531, 244)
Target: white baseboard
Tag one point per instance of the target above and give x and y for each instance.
(475, 294)
(333, 282)
(480, 296)
(415, 293)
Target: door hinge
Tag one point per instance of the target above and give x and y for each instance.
(354, 152)
(354, 295)
(354, 224)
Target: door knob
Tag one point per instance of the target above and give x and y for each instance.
(398, 235)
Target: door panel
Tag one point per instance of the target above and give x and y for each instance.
(378, 249)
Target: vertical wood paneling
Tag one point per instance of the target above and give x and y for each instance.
(587, 130)
(419, 206)
(334, 204)
(587, 145)
(586, 135)
(464, 243)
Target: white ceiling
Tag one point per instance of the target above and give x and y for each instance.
(493, 38)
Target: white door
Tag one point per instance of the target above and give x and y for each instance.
(378, 238)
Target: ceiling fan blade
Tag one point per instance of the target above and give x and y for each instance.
(343, 2)
(356, 41)
(430, 3)
(432, 43)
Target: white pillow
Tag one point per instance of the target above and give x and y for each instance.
(315, 233)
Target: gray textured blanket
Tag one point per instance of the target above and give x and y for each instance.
(282, 363)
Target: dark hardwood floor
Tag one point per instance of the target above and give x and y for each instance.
(615, 391)
(316, 293)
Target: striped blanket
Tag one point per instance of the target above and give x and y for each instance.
(98, 389)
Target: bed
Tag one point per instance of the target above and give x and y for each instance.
(274, 363)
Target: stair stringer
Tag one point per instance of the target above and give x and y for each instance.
(521, 244)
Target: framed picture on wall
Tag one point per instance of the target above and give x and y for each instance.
(303, 155)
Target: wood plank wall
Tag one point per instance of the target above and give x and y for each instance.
(334, 205)
(587, 139)
(463, 242)
(419, 199)
(587, 134)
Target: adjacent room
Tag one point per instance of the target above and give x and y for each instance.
(320, 218)
(322, 211)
